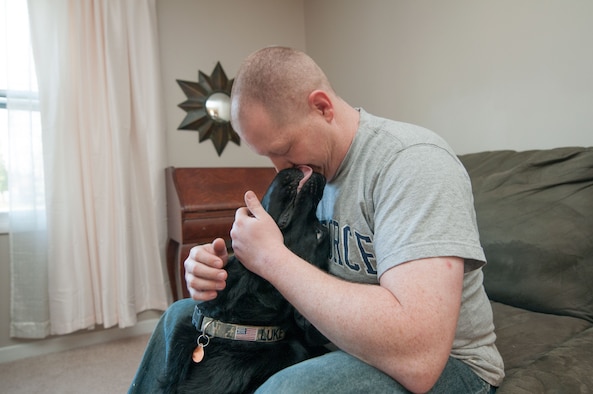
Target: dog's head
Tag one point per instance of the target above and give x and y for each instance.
(291, 200)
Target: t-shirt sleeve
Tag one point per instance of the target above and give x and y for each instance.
(424, 208)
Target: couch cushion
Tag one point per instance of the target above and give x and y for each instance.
(523, 336)
(542, 352)
(535, 216)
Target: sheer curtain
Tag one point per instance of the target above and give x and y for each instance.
(24, 159)
(103, 140)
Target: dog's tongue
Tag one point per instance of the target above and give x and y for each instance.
(307, 171)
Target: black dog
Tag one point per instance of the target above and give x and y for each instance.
(272, 334)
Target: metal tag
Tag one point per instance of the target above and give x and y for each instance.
(198, 354)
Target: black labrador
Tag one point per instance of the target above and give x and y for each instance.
(235, 342)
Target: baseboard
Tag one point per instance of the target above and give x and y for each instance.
(73, 341)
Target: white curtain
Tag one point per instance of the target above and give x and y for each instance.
(24, 159)
(104, 144)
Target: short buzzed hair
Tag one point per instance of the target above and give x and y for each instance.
(280, 79)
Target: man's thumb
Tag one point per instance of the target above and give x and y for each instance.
(219, 247)
(252, 203)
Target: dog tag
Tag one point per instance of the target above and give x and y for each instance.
(198, 354)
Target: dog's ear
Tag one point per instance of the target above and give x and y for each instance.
(279, 193)
(265, 201)
(274, 193)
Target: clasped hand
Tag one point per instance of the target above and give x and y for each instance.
(255, 236)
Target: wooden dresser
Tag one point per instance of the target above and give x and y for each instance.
(201, 205)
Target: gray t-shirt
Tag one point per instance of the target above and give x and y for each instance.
(401, 194)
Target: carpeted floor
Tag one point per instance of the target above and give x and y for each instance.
(102, 369)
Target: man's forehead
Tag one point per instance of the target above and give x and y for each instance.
(260, 133)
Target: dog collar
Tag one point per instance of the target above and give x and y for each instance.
(216, 328)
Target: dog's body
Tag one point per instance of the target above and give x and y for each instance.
(240, 366)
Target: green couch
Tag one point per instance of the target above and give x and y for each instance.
(535, 215)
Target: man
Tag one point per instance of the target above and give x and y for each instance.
(404, 300)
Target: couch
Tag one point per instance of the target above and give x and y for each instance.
(535, 215)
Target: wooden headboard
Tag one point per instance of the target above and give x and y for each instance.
(201, 205)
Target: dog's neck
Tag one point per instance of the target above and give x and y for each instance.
(218, 329)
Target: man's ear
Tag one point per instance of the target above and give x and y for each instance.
(320, 102)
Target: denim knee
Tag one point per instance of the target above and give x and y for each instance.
(335, 372)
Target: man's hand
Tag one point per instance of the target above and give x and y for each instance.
(204, 270)
(256, 236)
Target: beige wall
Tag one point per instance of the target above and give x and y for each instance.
(485, 75)
(195, 34)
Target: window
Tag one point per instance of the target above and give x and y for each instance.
(20, 124)
(3, 156)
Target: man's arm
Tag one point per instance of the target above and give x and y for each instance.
(405, 326)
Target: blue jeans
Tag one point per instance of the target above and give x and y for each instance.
(335, 372)
(339, 372)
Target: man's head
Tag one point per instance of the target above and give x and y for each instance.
(283, 107)
(279, 79)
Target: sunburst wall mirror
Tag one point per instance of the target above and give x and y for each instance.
(208, 108)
